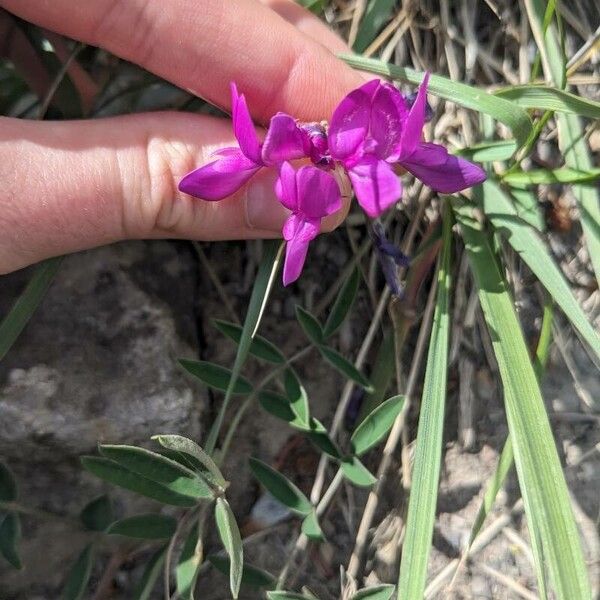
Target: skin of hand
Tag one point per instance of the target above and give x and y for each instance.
(72, 185)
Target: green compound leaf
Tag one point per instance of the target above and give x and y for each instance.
(149, 577)
(10, 536)
(533, 251)
(342, 305)
(188, 565)
(428, 450)
(215, 376)
(251, 576)
(8, 485)
(541, 97)
(19, 315)
(345, 367)
(311, 528)
(279, 407)
(541, 480)
(280, 487)
(97, 515)
(232, 541)
(260, 347)
(376, 425)
(310, 325)
(377, 592)
(355, 472)
(509, 113)
(114, 473)
(195, 457)
(79, 575)
(297, 396)
(145, 527)
(158, 468)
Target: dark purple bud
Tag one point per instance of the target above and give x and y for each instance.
(410, 100)
(318, 150)
(390, 258)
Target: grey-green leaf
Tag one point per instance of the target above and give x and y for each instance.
(342, 305)
(151, 573)
(376, 425)
(188, 565)
(377, 592)
(97, 515)
(145, 527)
(489, 151)
(158, 468)
(310, 325)
(79, 575)
(282, 595)
(10, 535)
(311, 528)
(376, 14)
(297, 396)
(355, 472)
(280, 487)
(8, 485)
(116, 474)
(232, 541)
(189, 448)
(252, 576)
(215, 376)
(345, 367)
(259, 347)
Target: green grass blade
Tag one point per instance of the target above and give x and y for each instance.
(532, 250)
(489, 151)
(428, 451)
(564, 175)
(570, 132)
(542, 482)
(263, 284)
(28, 301)
(542, 97)
(509, 113)
(377, 13)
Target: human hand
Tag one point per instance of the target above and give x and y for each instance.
(67, 186)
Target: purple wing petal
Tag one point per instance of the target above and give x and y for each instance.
(243, 128)
(375, 184)
(318, 193)
(441, 171)
(350, 121)
(285, 187)
(220, 178)
(298, 232)
(284, 141)
(389, 112)
(413, 127)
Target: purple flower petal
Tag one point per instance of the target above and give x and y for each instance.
(285, 187)
(389, 112)
(318, 193)
(350, 121)
(413, 126)
(243, 126)
(375, 184)
(298, 232)
(284, 141)
(441, 171)
(220, 178)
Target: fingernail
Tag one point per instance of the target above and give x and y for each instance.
(263, 209)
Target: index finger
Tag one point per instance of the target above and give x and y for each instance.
(202, 46)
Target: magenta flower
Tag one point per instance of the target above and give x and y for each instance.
(310, 194)
(373, 128)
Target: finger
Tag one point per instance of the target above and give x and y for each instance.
(202, 46)
(68, 186)
(308, 23)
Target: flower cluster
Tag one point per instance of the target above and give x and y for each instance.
(374, 129)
